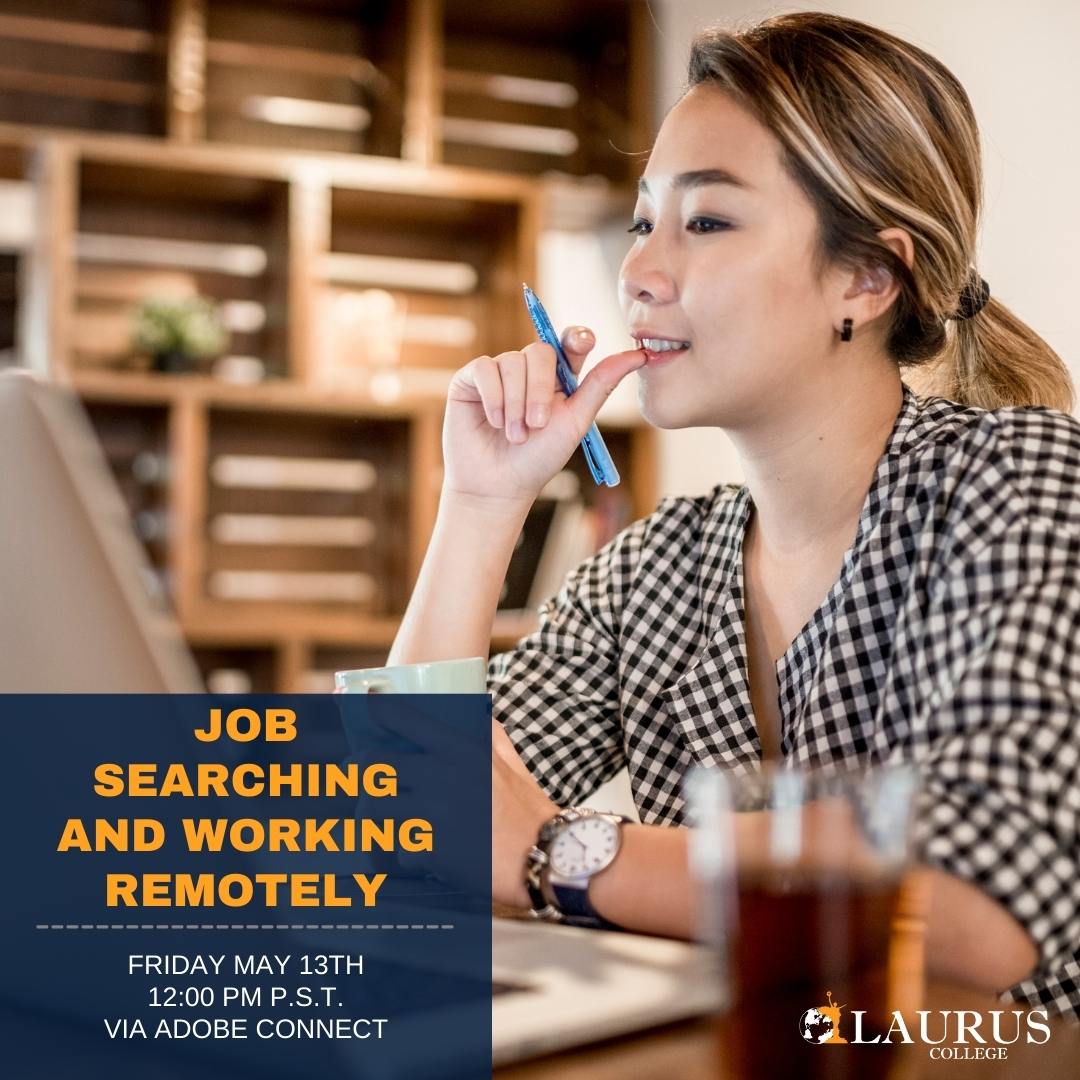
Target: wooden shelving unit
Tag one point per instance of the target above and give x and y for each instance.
(296, 162)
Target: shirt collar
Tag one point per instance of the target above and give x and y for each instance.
(907, 430)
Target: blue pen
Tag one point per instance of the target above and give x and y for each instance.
(596, 452)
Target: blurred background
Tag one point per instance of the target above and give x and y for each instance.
(256, 239)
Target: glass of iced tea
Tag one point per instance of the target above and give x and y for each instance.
(807, 890)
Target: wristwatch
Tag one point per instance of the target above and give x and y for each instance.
(571, 849)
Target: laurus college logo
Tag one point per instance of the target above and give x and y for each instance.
(951, 1034)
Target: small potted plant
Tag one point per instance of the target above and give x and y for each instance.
(181, 334)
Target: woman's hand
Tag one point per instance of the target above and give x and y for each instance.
(518, 809)
(509, 428)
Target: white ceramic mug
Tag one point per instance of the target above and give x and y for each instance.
(437, 677)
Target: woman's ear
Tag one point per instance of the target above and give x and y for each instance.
(901, 243)
(872, 289)
(875, 285)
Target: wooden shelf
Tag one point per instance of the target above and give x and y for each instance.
(280, 395)
(361, 172)
(161, 146)
(564, 85)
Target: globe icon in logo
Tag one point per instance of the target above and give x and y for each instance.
(815, 1026)
(822, 1023)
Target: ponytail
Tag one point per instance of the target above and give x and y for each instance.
(994, 360)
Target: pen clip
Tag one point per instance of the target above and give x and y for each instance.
(599, 461)
(591, 461)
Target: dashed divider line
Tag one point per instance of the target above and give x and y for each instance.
(244, 926)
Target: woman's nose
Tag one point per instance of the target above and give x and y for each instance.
(643, 281)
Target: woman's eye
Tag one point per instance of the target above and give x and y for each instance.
(707, 225)
(640, 227)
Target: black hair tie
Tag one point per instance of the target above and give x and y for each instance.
(973, 298)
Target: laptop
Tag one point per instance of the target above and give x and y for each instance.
(82, 616)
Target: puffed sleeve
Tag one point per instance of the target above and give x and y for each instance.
(997, 730)
(556, 692)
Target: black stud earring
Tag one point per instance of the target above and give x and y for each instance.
(845, 334)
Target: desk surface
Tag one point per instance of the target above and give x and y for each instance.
(688, 1051)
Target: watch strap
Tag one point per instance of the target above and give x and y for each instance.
(540, 906)
(576, 909)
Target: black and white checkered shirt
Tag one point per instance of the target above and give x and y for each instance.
(951, 638)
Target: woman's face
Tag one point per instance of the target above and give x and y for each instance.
(725, 268)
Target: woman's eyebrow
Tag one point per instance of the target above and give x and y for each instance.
(700, 178)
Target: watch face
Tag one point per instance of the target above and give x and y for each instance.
(584, 847)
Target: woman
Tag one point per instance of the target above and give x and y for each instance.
(899, 577)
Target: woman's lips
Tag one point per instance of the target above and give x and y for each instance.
(658, 359)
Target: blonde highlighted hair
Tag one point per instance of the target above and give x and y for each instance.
(879, 134)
